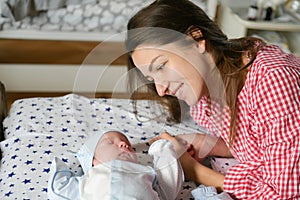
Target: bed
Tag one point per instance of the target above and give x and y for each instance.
(38, 129)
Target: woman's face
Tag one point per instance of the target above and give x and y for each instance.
(113, 146)
(173, 72)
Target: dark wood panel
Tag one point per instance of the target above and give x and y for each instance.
(3, 109)
(61, 52)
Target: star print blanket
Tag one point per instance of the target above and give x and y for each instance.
(39, 129)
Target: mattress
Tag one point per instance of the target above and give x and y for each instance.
(37, 129)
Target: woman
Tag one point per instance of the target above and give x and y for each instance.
(242, 89)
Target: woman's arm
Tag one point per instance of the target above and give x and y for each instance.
(195, 171)
(204, 145)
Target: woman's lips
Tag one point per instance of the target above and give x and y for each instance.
(178, 92)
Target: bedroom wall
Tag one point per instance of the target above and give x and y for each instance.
(63, 78)
(39, 65)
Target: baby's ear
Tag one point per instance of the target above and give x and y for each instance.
(95, 162)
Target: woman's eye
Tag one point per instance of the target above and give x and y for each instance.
(161, 66)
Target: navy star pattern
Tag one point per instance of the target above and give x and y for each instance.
(41, 128)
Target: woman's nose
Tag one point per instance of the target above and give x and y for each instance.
(161, 89)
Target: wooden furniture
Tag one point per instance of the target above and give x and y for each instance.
(3, 109)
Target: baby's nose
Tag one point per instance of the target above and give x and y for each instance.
(123, 145)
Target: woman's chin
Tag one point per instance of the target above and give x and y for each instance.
(191, 102)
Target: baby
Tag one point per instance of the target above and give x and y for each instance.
(111, 171)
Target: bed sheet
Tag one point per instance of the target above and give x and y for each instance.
(37, 129)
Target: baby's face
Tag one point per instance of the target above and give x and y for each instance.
(114, 146)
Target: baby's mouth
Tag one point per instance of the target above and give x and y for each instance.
(128, 156)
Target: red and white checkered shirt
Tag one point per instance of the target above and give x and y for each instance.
(267, 143)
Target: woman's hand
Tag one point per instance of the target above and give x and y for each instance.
(180, 144)
(163, 135)
(188, 147)
(197, 145)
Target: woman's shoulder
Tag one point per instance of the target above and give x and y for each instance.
(273, 57)
(273, 82)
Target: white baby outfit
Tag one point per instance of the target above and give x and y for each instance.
(118, 179)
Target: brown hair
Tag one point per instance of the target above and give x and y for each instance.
(179, 16)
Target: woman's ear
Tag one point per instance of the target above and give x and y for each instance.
(195, 33)
(201, 46)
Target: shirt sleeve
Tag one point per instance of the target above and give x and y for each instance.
(62, 183)
(169, 171)
(276, 119)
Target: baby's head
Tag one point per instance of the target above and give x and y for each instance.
(105, 147)
(113, 145)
